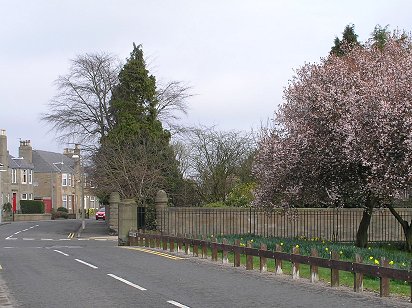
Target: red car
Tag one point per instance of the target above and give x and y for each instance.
(101, 214)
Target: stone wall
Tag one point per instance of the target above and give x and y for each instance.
(31, 217)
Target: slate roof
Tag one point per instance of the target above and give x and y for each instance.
(50, 162)
(19, 163)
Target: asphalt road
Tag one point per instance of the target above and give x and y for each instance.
(43, 265)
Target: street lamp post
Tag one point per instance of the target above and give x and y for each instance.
(81, 181)
(1, 193)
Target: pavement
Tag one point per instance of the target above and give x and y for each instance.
(96, 229)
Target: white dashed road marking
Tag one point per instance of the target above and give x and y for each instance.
(61, 252)
(88, 264)
(177, 304)
(127, 282)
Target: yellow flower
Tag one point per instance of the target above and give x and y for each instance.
(370, 258)
(376, 262)
(297, 246)
(369, 248)
(341, 252)
(391, 262)
(281, 244)
(251, 240)
(403, 264)
(327, 249)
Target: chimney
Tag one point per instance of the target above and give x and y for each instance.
(25, 150)
(4, 157)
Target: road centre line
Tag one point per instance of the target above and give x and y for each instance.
(25, 230)
(17, 232)
(127, 282)
(177, 304)
(28, 239)
(160, 254)
(88, 264)
(61, 252)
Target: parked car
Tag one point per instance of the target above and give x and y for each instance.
(101, 214)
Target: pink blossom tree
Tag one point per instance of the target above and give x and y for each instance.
(343, 135)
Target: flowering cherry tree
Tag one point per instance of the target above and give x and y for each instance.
(343, 135)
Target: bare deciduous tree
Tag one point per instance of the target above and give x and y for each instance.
(80, 110)
(214, 160)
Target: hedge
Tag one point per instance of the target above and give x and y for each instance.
(31, 207)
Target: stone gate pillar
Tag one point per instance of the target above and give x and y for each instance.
(113, 217)
(161, 205)
(127, 220)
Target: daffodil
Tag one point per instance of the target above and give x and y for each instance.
(341, 252)
(297, 246)
(370, 258)
(376, 262)
(281, 244)
(391, 262)
(327, 249)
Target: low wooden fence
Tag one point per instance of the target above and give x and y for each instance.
(199, 248)
(331, 224)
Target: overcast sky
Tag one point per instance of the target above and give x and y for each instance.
(236, 55)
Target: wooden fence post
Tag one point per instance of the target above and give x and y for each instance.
(141, 237)
(146, 240)
(295, 265)
(236, 261)
(187, 244)
(225, 258)
(158, 241)
(314, 272)
(204, 247)
(152, 241)
(195, 248)
(334, 273)
(171, 244)
(214, 249)
(164, 242)
(179, 243)
(358, 277)
(384, 281)
(249, 258)
(263, 263)
(278, 262)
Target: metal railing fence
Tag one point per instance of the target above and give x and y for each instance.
(331, 224)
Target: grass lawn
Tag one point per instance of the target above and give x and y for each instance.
(371, 255)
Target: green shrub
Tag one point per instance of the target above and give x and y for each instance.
(241, 195)
(215, 204)
(31, 207)
(7, 207)
(59, 214)
(62, 209)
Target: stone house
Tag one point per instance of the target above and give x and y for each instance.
(57, 179)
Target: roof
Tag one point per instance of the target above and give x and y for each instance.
(19, 163)
(50, 162)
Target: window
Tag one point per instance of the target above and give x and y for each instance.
(13, 176)
(30, 176)
(69, 182)
(92, 202)
(64, 199)
(24, 176)
(70, 202)
(23, 196)
(64, 179)
(30, 196)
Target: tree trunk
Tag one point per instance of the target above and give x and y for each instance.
(362, 234)
(407, 228)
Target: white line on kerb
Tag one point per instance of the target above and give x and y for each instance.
(178, 304)
(85, 263)
(17, 232)
(25, 230)
(127, 282)
(61, 252)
